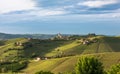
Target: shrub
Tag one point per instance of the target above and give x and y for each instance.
(115, 69)
(13, 67)
(44, 72)
(89, 65)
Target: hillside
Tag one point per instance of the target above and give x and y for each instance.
(68, 63)
(61, 54)
(8, 49)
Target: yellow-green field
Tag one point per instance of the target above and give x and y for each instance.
(106, 49)
(68, 63)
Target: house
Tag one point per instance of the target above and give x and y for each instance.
(18, 44)
(86, 42)
(37, 59)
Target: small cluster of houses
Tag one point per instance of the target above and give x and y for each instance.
(59, 36)
(88, 41)
(18, 44)
(41, 58)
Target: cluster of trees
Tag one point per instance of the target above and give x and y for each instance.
(89, 65)
(12, 66)
(115, 69)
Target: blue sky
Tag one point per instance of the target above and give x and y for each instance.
(64, 16)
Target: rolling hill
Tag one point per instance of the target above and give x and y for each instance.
(4, 36)
(61, 55)
(67, 64)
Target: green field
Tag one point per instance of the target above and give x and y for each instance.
(63, 53)
(68, 63)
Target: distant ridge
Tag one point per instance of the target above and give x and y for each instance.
(4, 36)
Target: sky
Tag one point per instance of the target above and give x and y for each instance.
(60, 16)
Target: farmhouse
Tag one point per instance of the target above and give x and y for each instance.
(37, 59)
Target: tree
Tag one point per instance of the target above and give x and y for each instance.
(115, 69)
(89, 65)
(44, 72)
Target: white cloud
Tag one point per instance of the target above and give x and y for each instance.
(29, 6)
(33, 12)
(97, 3)
(47, 12)
(30, 15)
(7, 6)
(50, 12)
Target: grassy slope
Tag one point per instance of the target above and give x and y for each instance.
(7, 54)
(44, 48)
(41, 48)
(63, 48)
(50, 48)
(68, 63)
(76, 47)
(44, 65)
(106, 48)
(113, 42)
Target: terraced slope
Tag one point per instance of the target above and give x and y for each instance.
(104, 44)
(68, 63)
(44, 48)
(76, 48)
(63, 48)
(106, 48)
(50, 48)
(27, 48)
(113, 42)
